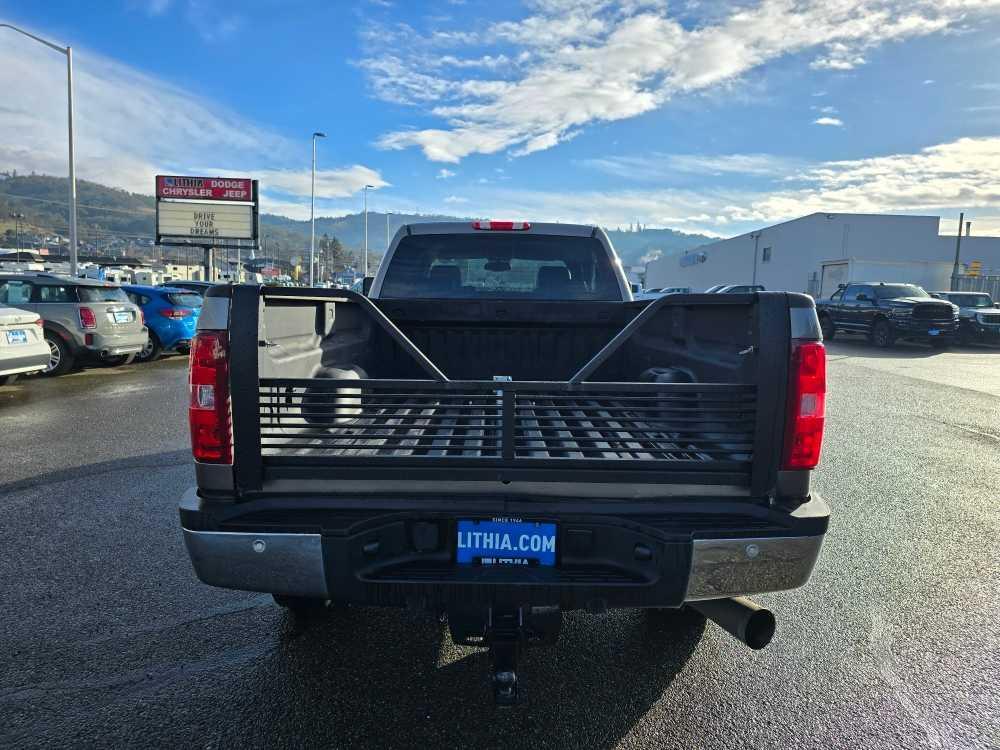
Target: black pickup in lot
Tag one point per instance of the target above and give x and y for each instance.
(886, 313)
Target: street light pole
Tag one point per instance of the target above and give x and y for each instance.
(756, 240)
(312, 210)
(68, 51)
(364, 263)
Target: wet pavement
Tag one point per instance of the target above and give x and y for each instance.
(110, 641)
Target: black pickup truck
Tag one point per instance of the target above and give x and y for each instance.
(498, 433)
(886, 313)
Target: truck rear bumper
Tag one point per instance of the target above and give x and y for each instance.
(605, 561)
(293, 563)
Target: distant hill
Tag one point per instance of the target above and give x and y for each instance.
(110, 218)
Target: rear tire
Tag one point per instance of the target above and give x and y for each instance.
(152, 350)
(826, 325)
(61, 359)
(124, 359)
(882, 335)
(302, 605)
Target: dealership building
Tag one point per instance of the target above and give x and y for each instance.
(815, 253)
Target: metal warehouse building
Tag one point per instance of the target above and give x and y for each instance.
(815, 253)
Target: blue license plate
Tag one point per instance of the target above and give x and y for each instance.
(933, 332)
(17, 337)
(506, 541)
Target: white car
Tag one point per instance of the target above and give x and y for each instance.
(23, 349)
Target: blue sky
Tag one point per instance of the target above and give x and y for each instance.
(701, 116)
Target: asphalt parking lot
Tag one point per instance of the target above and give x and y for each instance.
(110, 641)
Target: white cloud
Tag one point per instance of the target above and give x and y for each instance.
(928, 81)
(131, 126)
(330, 183)
(660, 166)
(579, 62)
(452, 199)
(959, 175)
(824, 110)
(444, 174)
(831, 121)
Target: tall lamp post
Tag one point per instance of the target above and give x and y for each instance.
(68, 51)
(312, 210)
(364, 263)
(17, 229)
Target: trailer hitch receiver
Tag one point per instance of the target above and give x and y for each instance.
(505, 632)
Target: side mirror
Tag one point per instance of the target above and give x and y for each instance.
(366, 285)
(996, 304)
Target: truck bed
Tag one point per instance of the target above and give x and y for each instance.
(591, 413)
(705, 423)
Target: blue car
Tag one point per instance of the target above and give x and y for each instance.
(171, 316)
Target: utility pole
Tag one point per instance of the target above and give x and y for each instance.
(756, 241)
(958, 252)
(312, 209)
(364, 264)
(68, 51)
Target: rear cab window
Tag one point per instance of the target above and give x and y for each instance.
(500, 266)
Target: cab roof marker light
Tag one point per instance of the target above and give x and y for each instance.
(501, 226)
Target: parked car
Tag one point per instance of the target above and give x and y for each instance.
(531, 445)
(84, 320)
(887, 312)
(739, 289)
(200, 287)
(171, 315)
(676, 290)
(978, 316)
(714, 289)
(23, 350)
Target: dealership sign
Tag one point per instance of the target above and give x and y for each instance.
(205, 188)
(206, 211)
(203, 221)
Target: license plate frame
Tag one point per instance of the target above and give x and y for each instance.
(17, 337)
(123, 317)
(934, 332)
(506, 541)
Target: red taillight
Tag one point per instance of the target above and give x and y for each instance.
(87, 318)
(142, 317)
(39, 322)
(506, 226)
(806, 408)
(208, 410)
(175, 312)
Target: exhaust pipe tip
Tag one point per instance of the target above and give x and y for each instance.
(759, 629)
(745, 620)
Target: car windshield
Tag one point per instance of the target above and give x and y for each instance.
(184, 299)
(101, 294)
(894, 291)
(971, 300)
(501, 266)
